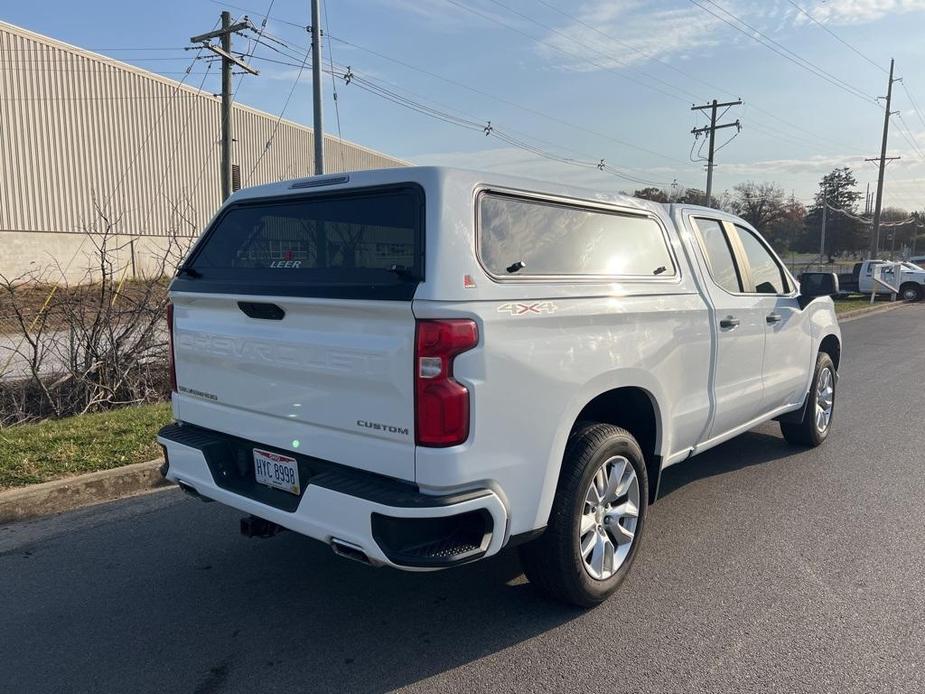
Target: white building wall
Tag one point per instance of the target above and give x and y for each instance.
(89, 143)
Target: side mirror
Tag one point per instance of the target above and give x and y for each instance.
(816, 284)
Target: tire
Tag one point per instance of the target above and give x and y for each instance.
(814, 427)
(554, 562)
(911, 291)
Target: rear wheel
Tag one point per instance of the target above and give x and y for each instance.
(596, 520)
(814, 427)
(911, 291)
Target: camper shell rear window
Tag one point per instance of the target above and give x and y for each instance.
(363, 243)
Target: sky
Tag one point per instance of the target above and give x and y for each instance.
(565, 85)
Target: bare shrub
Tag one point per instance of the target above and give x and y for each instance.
(95, 344)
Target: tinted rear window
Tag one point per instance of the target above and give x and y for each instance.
(361, 243)
(553, 239)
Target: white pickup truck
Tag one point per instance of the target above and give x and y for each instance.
(906, 277)
(420, 366)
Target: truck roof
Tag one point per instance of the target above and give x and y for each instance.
(433, 176)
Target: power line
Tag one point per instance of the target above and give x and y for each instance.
(782, 50)
(150, 132)
(812, 138)
(533, 111)
(281, 113)
(504, 100)
(904, 130)
(509, 137)
(472, 122)
(253, 47)
(552, 118)
(534, 21)
(835, 36)
(915, 106)
(173, 152)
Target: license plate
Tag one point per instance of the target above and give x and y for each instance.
(275, 470)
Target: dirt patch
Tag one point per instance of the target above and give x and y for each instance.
(47, 302)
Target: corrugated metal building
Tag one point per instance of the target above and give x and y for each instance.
(83, 136)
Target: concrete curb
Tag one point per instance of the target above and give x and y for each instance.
(867, 311)
(75, 492)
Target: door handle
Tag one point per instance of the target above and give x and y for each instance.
(774, 318)
(729, 322)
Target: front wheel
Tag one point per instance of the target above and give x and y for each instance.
(596, 520)
(814, 427)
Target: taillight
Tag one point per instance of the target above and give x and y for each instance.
(170, 361)
(441, 403)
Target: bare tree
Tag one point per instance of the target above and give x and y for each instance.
(759, 204)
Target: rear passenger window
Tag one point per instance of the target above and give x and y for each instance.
(553, 239)
(719, 254)
(767, 275)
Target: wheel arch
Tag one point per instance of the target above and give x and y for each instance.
(633, 405)
(634, 409)
(831, 345)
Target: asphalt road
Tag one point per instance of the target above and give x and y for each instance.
(765, 568)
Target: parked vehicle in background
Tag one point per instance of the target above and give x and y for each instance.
(421, 366)
(907, 277)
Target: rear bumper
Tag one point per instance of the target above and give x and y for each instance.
(390, 521)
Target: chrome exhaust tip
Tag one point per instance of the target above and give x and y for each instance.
(349, 550)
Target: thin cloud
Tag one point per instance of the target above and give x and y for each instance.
(446, 16)
(636, 33)
(857, 11)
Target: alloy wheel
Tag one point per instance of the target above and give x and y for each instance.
(825, 399)
(609, 518)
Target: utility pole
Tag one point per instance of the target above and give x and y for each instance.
(226, 107)
(711, 129)
(875, 232)
(318, 131)
(825, 207)
(224, 51)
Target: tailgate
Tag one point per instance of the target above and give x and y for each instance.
(331, 379)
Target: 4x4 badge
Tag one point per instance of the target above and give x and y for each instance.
(523, 309)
